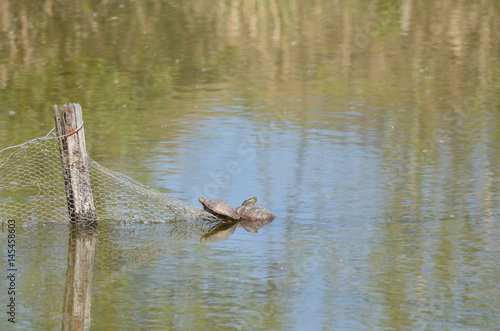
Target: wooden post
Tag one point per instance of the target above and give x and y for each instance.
(71, 140)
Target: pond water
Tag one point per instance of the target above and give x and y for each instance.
(371, 129)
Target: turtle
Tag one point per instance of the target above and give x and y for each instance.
(219, 208)
(249, 212)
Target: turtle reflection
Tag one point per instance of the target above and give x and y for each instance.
(219, 233)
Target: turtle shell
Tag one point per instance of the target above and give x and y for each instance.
(219, 208)
(253, 213)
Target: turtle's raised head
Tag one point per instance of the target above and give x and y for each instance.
(249, 202)
(201, 199)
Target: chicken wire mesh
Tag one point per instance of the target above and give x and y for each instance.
(32, 190)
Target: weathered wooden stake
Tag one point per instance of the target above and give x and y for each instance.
(69, 127)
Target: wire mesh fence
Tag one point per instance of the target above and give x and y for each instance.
(32, 190)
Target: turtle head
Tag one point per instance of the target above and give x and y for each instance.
(201, 199)
(249, 202)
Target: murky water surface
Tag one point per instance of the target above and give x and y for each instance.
(370, 129)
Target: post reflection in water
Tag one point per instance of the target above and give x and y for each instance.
(78, 295)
